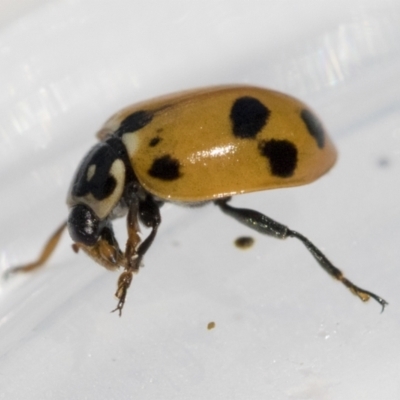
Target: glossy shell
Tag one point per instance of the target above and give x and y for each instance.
(211, 143)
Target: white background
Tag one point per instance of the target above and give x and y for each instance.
(284, 329)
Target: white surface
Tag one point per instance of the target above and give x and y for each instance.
(284, 329)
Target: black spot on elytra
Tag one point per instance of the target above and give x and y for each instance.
(102, 184)
(282, 156)
(314, 127)
(248, 116)
(134, 122)
(154, 142)
(165, 168)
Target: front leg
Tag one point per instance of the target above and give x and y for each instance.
(263, 224)
(149, 213)
(106, 251)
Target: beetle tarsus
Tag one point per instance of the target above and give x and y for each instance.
(364, 295)
(124, 282)
(119, 307)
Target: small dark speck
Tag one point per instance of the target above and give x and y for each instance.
(210, 325)
(244, 242)
(154, 142)
(383, 162)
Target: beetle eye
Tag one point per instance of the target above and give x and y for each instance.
(83, 225)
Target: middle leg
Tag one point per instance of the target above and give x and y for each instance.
(149, 212)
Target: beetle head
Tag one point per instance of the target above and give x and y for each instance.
(96, 190)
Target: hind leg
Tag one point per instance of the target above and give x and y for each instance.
(263, 224)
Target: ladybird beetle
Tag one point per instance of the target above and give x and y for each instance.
(192, 148)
